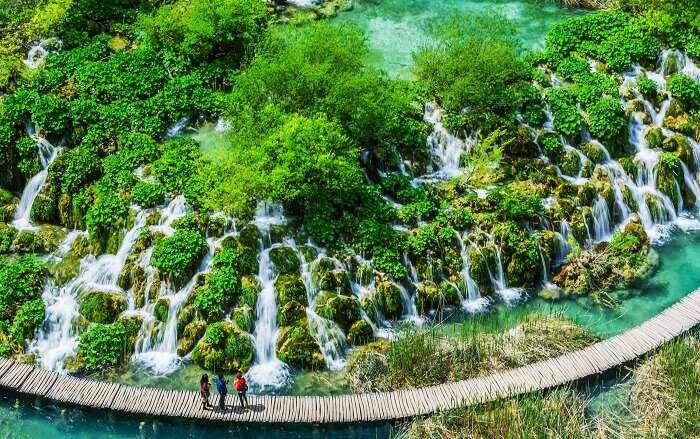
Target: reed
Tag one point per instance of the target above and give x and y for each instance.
(418, 358)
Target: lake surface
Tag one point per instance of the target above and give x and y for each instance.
(397, 28)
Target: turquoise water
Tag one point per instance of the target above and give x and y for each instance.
(397, 28)
(22, 418)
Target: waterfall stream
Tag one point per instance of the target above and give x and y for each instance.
(47, 154)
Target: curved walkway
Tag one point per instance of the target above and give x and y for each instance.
(385, 406)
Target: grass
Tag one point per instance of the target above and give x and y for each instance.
(418, 358)
(662, 400)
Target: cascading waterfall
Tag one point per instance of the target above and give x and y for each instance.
(39, 51)
(268, 373)
(602, 221)
(47, 154)
(327, 333)
(161, 358)
(472, 301)
(57, 339)
(446, 149)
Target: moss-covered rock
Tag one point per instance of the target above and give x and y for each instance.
(290, 313)
(432, 297)
(289, 288)
(285, 260)
(669, 176)
(185, 316)
(101, 306)
(388, 299)
(344, 310)
(244, 317)
(481, 262)
(296, 347)
(655, 138)
(191, 334)
(250, 288)
(593, 152)
(336, 280)
(247, 244)
(609, 266)
(360, 333)
(161, 309)
(224, 347)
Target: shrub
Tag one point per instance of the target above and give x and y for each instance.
(646, 86)
(148, 195)
(103, 345)
(686, 89)
(607, 119)
(179, 254)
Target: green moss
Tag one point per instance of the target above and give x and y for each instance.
(289, 288)
(224, 347)
(344, 310)
(296, 347)
(285, 260)
(102, 306)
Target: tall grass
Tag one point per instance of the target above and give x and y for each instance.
(559, 413)
(665, 396)
(418, 358)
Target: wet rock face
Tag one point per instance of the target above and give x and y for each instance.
(297, 347)
(102, 306)
(285, 260)
(224, 346)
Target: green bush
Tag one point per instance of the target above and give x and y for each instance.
(178, 255)
(607, 120)
(686, 89)
(475, 67)
(148, 195)
(647, 87)
(103, 346)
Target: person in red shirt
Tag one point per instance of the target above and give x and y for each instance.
(241, 387)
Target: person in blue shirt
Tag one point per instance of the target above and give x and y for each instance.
(221, 388)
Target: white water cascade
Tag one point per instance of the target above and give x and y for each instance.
(472, 302)
(47, 154)
(445, 148)
(38, 52)
(268, 372)
(57, 339)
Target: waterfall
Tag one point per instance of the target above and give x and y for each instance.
(38, 52)
(268, 372)
(327, 333)
(177, 129)
(472, 301)
(47, 154)
(56, 339)
(445, 148)
(498, 279)
(602, 222)
(563, 248)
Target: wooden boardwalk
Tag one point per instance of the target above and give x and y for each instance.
(384, 406)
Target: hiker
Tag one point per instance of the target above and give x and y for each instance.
(204, 391)
(221, 388)
(241, 387)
